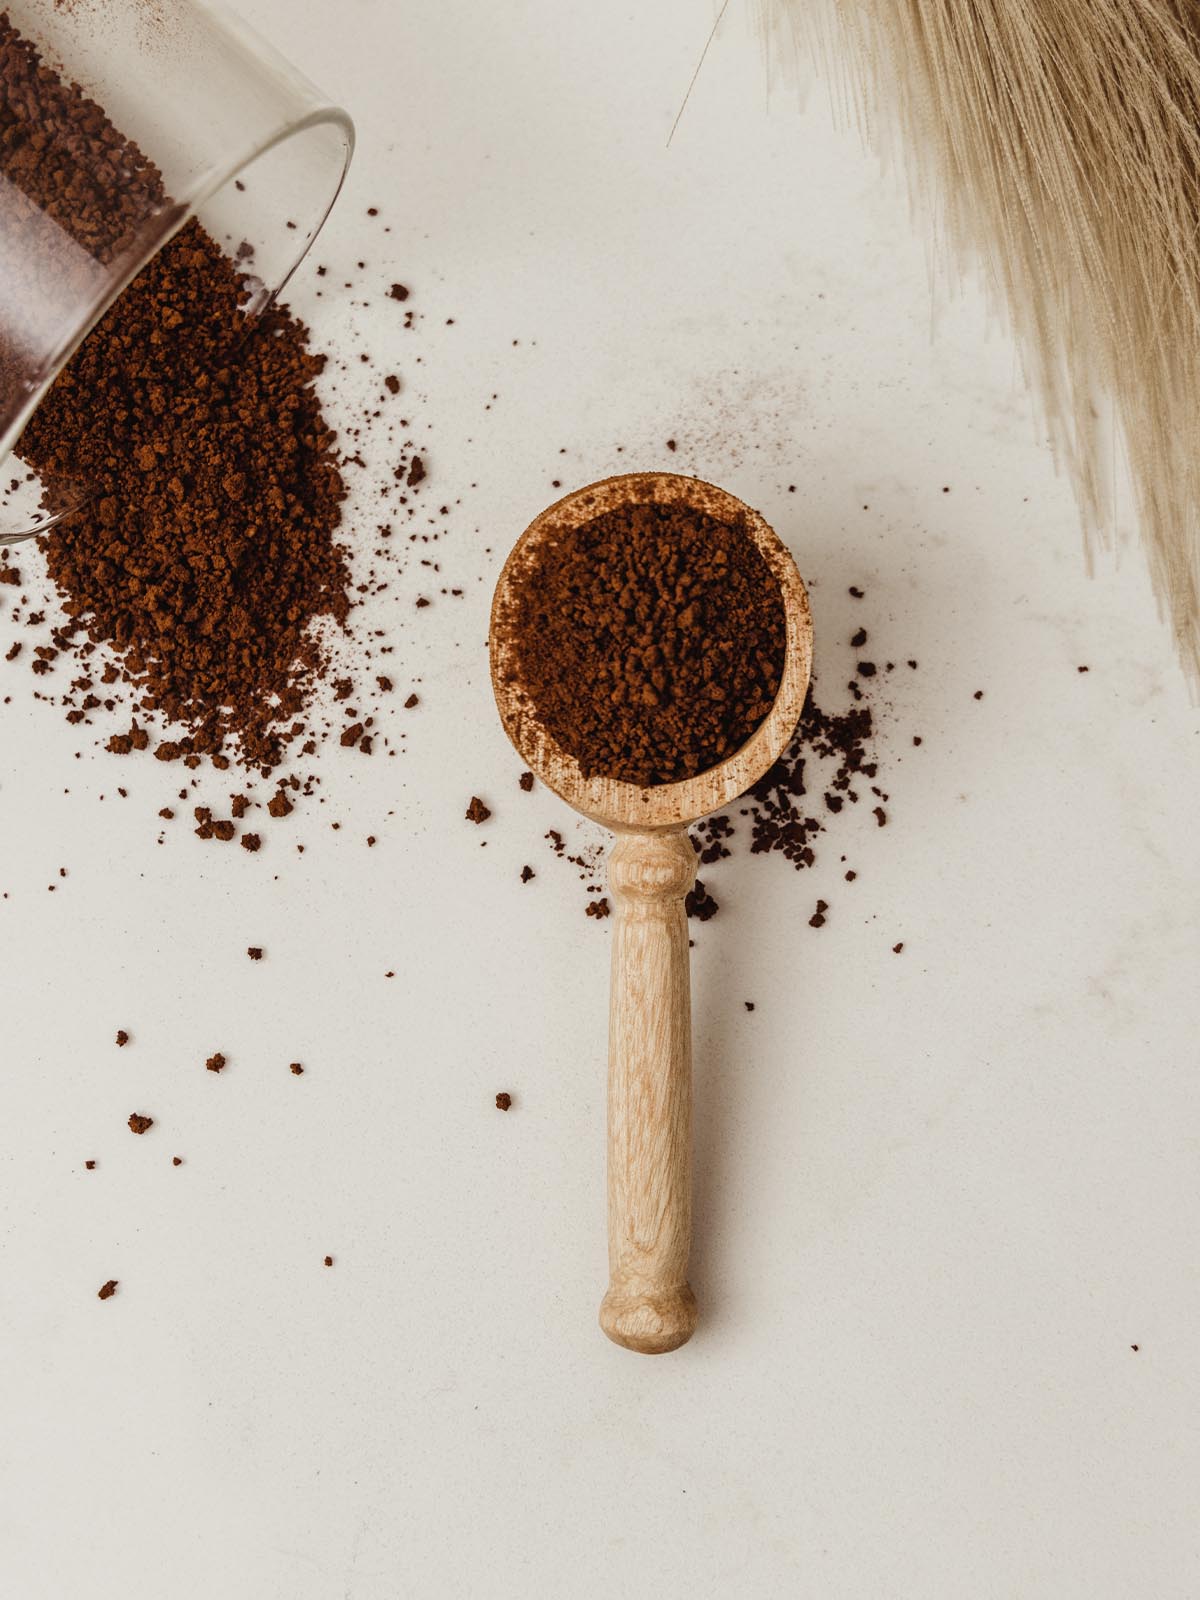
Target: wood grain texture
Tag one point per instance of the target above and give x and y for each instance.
(649, 1305)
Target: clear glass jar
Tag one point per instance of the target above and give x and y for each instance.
(120, 120)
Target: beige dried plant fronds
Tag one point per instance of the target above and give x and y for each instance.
(1058, 142)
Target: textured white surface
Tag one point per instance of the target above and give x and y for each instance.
(940, 1195)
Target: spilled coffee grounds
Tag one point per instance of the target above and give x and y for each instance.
(206, 553)
(650, 641)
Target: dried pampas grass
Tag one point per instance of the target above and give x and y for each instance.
(1060, 142)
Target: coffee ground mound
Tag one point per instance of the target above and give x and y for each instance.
(206, 554)
(650, 641)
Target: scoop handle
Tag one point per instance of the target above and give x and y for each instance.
(649, 1305)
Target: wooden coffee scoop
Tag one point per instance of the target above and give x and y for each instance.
(649, 1305)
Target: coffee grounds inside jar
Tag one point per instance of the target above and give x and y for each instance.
(77, 196)
(649, 641)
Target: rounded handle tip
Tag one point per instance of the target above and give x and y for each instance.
(651, 1324)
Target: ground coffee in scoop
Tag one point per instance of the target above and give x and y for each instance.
(650, 641)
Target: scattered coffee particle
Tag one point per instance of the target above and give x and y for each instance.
(215, 1063)
(477, 811)
(251, 842)
(416, 475)
(526, 781)
(413, 700)
(90, 1165)
(527, 873)
(1135, 1347)
(598, 908)
(817, 920)
(398, 292)
(176, 1161)
(392, 383)
(385, 684)
(122, 744)
(255, 952)
(978, 694)
(139, 1123)
(866, 669)
(775, 805)
(648, 641)
(880, 816)
(916, 738)
(295, 1069)
(859, 639)
(896, 948)
(851, 875)
(749, 1004)
(108, 1290)
(167, 814)
(122, 1038)
(503, 1101)
(700, 904)
(279, 805)
(328, 1261)
(13, 651)
(1088, 669)
(671, 444)
(857, 593)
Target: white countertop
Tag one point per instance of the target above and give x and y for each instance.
(947, 1204)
